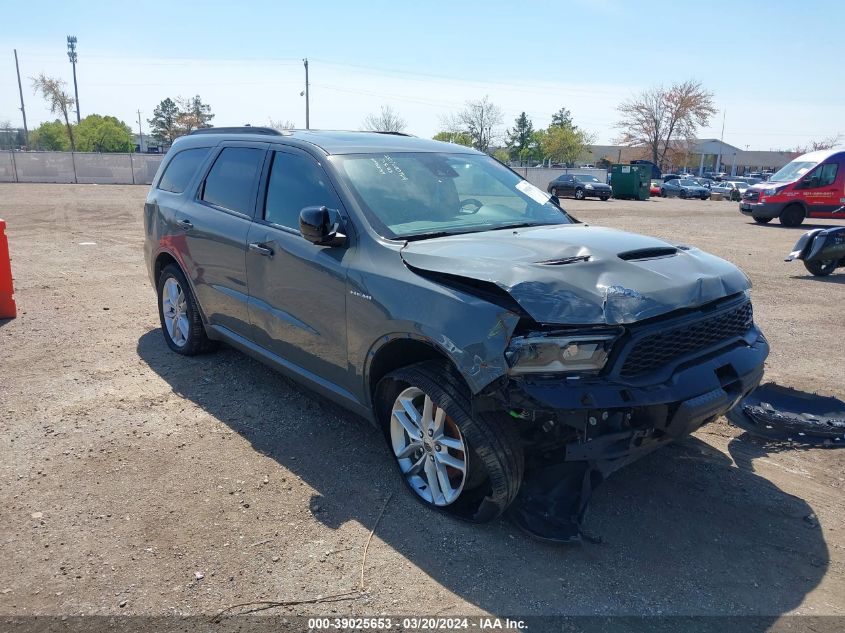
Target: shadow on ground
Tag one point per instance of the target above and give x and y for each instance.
(684, 530)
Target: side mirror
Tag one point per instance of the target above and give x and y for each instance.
(321, 226)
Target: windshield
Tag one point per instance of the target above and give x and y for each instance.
(793, 171)
(689, 183)
(586, 178)
(407, 195)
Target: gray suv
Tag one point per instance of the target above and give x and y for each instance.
(506, 350)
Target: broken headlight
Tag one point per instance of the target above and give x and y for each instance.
(584, 353)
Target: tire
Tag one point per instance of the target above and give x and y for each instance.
(492, 450)
(760, 220)
(554, 191)
(605, 198)
(821, 268)
(579, 194)
(792, 215)
(185, 332)
(663, 193)
(682, 194)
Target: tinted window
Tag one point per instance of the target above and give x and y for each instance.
(231, 181)
(181, 168)
(296, 182)
(827, 175)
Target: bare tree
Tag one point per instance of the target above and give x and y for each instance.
(658, 117)
(387, 120)
(278, 124)
(481, 120)
(59, 101)
(825, 143)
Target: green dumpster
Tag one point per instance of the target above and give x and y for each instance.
(630, 181)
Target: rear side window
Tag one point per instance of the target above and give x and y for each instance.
(296, 182)
(827, 175)
(231, 182)
(181, 169)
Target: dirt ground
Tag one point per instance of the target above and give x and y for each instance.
(136, 481)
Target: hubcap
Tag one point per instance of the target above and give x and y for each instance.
(174, 308)
(429, 447)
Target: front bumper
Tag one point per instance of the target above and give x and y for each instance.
(761, 209)
(613, 422)
(598, 193)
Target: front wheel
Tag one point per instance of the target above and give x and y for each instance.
(554, 191)
(760, 220)
(467, 467)
(579, 194)
(605, 198)
(663, 193)
(792, 215)
(682, 194)
(821, 267)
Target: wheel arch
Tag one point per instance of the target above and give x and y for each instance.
(163, 259)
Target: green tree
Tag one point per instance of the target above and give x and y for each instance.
(193, 114)
(60, 102)
(97, 133)
(165, 122)
(50, 136)
(502, 155)
(562, 118)
(519, 140)
(461, 138)
(564, 144)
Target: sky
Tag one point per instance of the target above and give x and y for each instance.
(773, 66)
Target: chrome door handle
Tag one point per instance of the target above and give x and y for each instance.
(187, 225)
(261, 249)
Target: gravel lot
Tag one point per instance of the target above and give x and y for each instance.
(136, 481)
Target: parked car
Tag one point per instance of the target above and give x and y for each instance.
(684, 189)
(810, 186)
(654, 188)
(579, 186)
(486, 332)
(730, 189)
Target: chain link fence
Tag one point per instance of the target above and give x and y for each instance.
(79, 167)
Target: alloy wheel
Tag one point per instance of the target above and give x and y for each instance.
(429, 447)
(174, 309)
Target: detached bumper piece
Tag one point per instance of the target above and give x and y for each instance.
(788, 415)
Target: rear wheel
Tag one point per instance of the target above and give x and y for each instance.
(821, 267)
(579, 194)
(467, 467)
(792, 215)
(180, 318)
(662, 193)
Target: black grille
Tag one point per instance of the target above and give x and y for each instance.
(656, 350)
(751, 196)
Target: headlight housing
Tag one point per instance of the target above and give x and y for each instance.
(576, 353)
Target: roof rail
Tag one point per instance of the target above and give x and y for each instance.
(246, 129)
(392, 133)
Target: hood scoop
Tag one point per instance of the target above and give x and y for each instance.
(648, 253)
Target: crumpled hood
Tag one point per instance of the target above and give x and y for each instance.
(604, 289)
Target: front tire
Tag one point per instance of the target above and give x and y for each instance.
(605, 198)
(554, 191)
(792, 215)
(470, 468)
(179, 315)
(821, 268)
(760, 220)
(579, 194)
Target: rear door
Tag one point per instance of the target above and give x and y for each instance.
(822, 188)
(215, 222)
(297, 289)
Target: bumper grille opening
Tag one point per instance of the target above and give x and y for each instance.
(663, 347)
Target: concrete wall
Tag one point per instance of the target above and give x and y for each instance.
(79, 167)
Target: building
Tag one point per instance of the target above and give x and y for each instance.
(699, 156)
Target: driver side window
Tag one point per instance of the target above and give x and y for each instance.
(296, 182)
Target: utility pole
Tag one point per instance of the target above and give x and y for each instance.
(140, 134)
(307, 103)
(71, 55)
(721, 140)
(20, 90)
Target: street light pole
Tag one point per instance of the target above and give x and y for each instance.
(71, 55)
(307, 103)
(140, 134)
(23, 109)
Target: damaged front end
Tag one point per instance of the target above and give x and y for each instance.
(591, 400)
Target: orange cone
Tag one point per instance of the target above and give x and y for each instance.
(8, 310)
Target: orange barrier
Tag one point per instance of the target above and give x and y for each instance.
(8, 310)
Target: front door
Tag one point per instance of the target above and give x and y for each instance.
(297, 289)
(821, 189)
